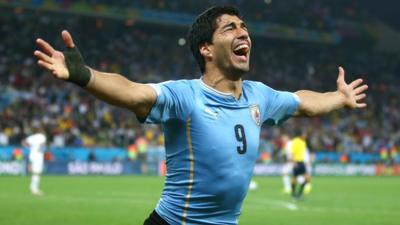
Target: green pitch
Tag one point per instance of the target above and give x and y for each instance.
(128, 200)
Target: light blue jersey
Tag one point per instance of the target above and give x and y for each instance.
(211, 142)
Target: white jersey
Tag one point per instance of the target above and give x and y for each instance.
(36, 144)
(307, 161)
(288, 151)
(288, 165)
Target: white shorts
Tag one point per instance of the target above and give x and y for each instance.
(287, 168)
(36, 163)
(308, 169)
(37, 167)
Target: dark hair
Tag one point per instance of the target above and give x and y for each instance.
(203, 28)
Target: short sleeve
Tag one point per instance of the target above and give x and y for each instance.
(278, 105)
(36, 139)
(174, 101)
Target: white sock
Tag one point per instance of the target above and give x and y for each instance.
(35, 182)
(286, 182)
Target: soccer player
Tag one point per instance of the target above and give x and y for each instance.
(211, 124)
(308, 161)
(36, 143)
(287, 167)
(300, 158)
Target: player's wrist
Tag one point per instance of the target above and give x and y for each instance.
(342, 100)
(78, 72)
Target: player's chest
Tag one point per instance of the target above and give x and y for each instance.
(224, 127)
(219, 115)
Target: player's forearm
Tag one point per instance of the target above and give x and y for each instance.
(24, 143)
(111, 88)
(315, 103)
(117, 90)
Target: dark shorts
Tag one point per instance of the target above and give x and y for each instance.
(299, 168)
(155, 219)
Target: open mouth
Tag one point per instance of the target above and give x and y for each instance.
(241, 51)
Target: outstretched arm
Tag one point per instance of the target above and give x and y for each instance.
(347, 95)
(109, 87)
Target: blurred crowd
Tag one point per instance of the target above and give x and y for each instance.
(309, 14)
(150, 53)
(312, 14)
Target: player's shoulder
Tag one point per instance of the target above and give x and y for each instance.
(181, 89)
(183, 83)
(39, 137)
(256, 86)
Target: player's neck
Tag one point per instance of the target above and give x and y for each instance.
(223, 84)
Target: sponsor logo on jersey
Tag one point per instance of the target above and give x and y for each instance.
(211, 113)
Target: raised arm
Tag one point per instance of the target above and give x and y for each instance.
(347, 95)
(111, 88)
(25, 143)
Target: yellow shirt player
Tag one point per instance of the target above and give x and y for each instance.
(301, 169)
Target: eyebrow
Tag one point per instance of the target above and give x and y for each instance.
(242, 24)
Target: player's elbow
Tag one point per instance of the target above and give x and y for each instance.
(307, 111)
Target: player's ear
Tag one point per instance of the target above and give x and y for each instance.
(205, 50)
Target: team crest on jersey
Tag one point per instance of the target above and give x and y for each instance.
(255, 114)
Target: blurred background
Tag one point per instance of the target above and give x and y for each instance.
(297, 45)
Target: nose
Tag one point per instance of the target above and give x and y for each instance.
(243, 34)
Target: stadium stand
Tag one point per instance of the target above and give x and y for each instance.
(151, 52)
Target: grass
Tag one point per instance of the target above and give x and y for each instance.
(127, 200)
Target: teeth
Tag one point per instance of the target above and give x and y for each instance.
(241, 47)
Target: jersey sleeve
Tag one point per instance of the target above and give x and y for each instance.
(174, 101)
(277, 106)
